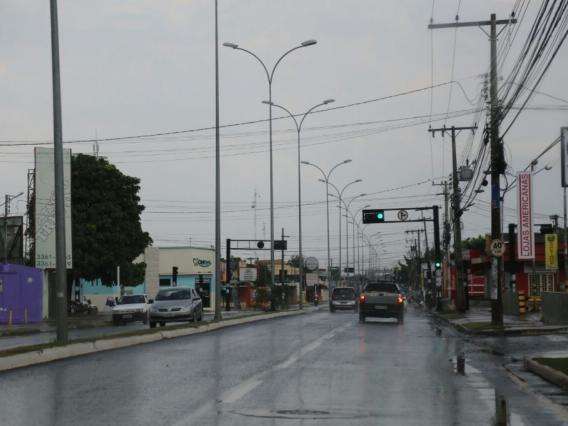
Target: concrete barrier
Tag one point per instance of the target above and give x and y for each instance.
(555, 308)
(550, 374)
(49, 354)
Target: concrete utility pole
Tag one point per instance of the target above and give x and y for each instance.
(497, 160)
(6, 213)
(419, 256)
(457, 212)
(60, 255)
(217, 282)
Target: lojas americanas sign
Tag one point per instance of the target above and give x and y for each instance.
(525, 238)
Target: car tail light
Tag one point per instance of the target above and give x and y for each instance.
(399, 299)
(362, 298)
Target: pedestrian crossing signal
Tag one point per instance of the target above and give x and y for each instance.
(373, 216)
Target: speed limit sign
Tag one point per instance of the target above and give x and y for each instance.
(497, 248)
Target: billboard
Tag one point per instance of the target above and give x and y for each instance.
(44, 217)
(564, 155)
(551, 251)
(15, 243)
(525, 240)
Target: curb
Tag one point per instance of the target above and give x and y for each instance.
(50, 354)
(504, 332)
(549, 374)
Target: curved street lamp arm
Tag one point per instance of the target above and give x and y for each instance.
(259, 60)
(336, 166)
(317, 167)
(292, 116)
(347, 186)
(271, 76)
(308, 113)
(336, 190)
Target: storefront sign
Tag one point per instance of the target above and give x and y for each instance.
(551, 251)
(201, 263)
(247, 274)
(526, 235)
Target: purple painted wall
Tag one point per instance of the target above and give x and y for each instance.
(21, 293)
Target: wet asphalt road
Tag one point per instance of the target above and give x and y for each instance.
(311, 369)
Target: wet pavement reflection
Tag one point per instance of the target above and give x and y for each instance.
(314, 369)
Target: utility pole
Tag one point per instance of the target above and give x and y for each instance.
(419, 256)
(282, 260)
(6, 213)
(457, 212)
(217, 283)
(497, 158)
(429, 263)
(60, 253)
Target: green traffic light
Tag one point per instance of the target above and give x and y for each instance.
(380, 215)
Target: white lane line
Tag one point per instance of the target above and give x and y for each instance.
(237, 392)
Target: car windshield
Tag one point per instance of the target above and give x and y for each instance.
(343, 293)
(127, 300)
(173, 295)
(382, 287)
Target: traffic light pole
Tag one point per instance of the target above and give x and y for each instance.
(457, 212)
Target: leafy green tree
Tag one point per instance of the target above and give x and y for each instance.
(106, 213)
(476, 243)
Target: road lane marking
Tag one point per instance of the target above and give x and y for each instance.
(237, 392)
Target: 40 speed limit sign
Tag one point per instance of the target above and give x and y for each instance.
(497, 248)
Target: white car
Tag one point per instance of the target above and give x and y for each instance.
(130, 308)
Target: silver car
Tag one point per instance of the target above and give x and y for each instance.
(174, 305)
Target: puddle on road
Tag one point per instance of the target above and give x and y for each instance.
(486, 391)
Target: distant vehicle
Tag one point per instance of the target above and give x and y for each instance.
(343, 298)
(84, 307)
(176, 304)
(381, 300)
(130, 308)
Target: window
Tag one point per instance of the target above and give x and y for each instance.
(173, 295)
(165, 282)
(382, 287)
(540, 283)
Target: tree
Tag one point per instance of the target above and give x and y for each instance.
(106, 213)
(476, 243)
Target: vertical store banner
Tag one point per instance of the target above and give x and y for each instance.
(44, 232)
(551, 251)
(525, 238)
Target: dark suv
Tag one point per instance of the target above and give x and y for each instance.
(343, 298)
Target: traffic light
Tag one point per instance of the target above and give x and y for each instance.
(373, 216)
(437, 264)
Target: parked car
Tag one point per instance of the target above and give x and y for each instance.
(343, 298)
(176, 304)
(84, 307)
(130, 308)
(382, 300)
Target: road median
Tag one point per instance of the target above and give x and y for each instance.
(25, 356)
(552, 370)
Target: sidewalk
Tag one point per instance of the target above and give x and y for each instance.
(477, 321)
(93, 327)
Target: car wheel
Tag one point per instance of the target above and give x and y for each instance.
(152, 324)
(361, 318)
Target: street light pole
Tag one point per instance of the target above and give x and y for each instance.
(60, 255)
(326, 179)
(340, 200)
(217, 177)
(347, 230)
(270, 78)
(299, 131)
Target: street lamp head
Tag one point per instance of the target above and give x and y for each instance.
(358, 180)
(321, 180)
(547, 167)
(347, 161)
(362, 195)
(310, 42)
(231, 45)
(307, 163)
(268, 103)
(328, 101)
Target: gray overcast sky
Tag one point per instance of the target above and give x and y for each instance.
(131, 67)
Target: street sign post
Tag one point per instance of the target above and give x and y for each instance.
(497, 248)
